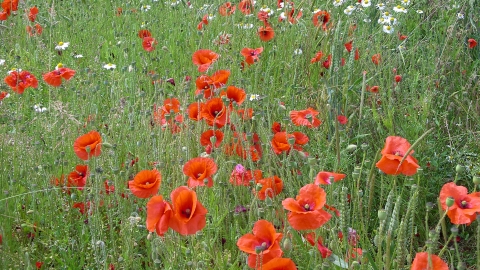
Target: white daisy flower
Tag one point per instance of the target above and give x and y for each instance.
(282, 16)
(267, 10)
(388, 29)
(298, 51)
(349, 10)
(2, 62)
(62, 46)
(367, 20)
(380, 6)
(337, 3)
(78, 56)
(38, 108)
(366, 3)
(109, 66)
(173, 3)
(145, 8)
(399, 9)
(460, 16)
(419, 11)
(405, 2)
(254, 97)
(59, 65)
(211, 17)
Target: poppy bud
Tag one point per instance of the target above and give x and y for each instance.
(87, 149)
(107, 145)
(258, 187)
(398, 78)
(213, 140)
(351, 148)
(449, 201)
(205, 181)
(287, 244)
(382, 214)
(459, 168)
(364, 146)
(461, 266)
(291, 140)
(355, 265)
(149, 236)
(476, 180)
(454, 230)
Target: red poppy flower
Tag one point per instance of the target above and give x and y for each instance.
(376, 58)
(306, 211)
(199, 171)
(251, 55)
(317, 58)
(3, 95)
(323, 178)
(37, 31)
(54, 78)
(324, 251)
(401, 37)
(108, 188)
(277, 127)
(305, 118)
(321, 17)
(204, 58)
(215, 112)
(421, 262)
(227, 9)
(393, 152)
(235, 94)
(292, 18)
(279, 264)
(78, 177)
(271, 187)
(204, 21)
(357, 54)
(246, 6)
(465, 206)
(348, 46)
(219, 79)
(148, 44)
(472, 43)
(373, 89)
(242, 177)
(19, 81)
(211, 138)
(281, 142)
(189, 215)
(88, 145)
(4, 15)
(195, 111)
(398, 78)
(32, 15)
(263, 242)
(9, 6)
(326, 64)
(244, 147)
(342, 119)
(159, 213)
(143, 33)
(266, 32)
(146, 183)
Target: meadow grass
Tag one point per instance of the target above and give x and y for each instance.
(435, 106)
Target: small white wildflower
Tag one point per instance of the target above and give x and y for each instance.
(382, 20)
(337, 3)
(405, 2)
(419, 11)
(392, 21)
(349, 10)
(282, 16)
(267, 10)
(2, 62)
(78, 56)
(109, 66)
(367, 20)
(400, 9)
(143, 24)
(460, 16)
(62, 46)
(366, 3)
(388, 29)
(145, 8)
(254, 97)
(210, 17)
(380, 6)
(298, 51)
(244, 25)
(38, 108)
(173, 3)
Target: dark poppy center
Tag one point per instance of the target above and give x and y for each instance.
(398, 153)
(187, 212)
(262, 247)
(464, 205)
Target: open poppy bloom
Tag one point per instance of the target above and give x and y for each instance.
(32, 14)
(159, 213)
(292, 18)
(306, 118)
(227, 9)
(393, 152)
(306, 211)
(143, 33)
(9, 6)
(235, 94)
(325, 178)
(215, 112)
(211, 138)
(148, 44)
(251, 55)
(465, 207)
(204, 58)
(19, 81)
(472, 43)
(266, 32)
(195, 111)
(78, 177)
(376, 58)
(145, 184)
(279, 264)
(169, 115)
(277, 127)
(246, 6)
(199, 171)
(263, 242)
(321, 17)
(88, 145)
(324, 251)
(271, 187)
(421, 262)
(281, 142)
(54, 78)
(188, 215)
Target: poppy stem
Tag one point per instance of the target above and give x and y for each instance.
(362, 98)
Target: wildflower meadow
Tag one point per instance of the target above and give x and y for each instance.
(274, 134)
